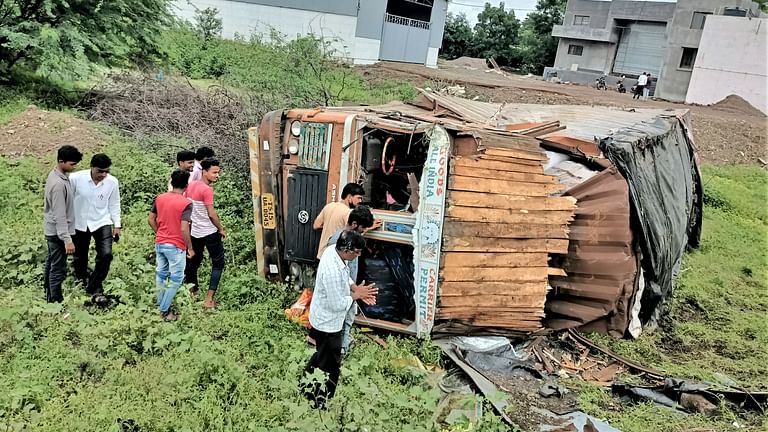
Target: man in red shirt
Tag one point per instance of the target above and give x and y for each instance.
(169, 218)
(207, 231)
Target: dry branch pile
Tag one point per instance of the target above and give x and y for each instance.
(144, 106)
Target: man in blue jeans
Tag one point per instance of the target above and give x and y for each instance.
(169, 218)
(59, 221)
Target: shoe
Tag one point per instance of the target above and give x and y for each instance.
(170, 316)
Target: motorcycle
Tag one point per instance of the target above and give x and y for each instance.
(600, 83)
(620, 87)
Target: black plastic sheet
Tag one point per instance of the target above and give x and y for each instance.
(659, 163)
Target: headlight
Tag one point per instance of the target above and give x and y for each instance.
(293, 146)
(296, 128)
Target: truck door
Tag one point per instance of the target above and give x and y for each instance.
(306, 198)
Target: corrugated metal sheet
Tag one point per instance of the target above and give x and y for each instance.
(581, 121)
(601, 262)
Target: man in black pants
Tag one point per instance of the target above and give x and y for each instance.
(59, 221)
(334, 295)
(207, 231)
(97, 216)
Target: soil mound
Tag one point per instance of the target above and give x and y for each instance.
(737, 104)
(38, 132)
(467, 63)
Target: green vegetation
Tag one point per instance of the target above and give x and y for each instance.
(297, 73)
(66, 39)
(528, 47)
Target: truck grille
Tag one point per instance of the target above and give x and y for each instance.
(315, 145)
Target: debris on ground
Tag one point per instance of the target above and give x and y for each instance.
(29, 133)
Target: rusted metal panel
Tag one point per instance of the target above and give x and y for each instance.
(601, 264)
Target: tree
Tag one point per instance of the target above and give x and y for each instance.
(66, 37)
(537, 48)
(496, 34)
(457, 37)
(208, 23)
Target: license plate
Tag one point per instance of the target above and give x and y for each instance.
(268, 219)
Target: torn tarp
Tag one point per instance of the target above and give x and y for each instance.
(658, 161)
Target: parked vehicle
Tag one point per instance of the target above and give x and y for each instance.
(503, 218)
(600, 83)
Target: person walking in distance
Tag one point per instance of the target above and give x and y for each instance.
(59, 221)
(207, 231)
(647, 88)
(97, 216)
(201, 154)
(642, 80)
(170, 218)
(185, 161)
(334, 295)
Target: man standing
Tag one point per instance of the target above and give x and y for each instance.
(169, 218)
(642, 80)
(59, 221)
(360, 220)
(185, 161)
(333, 296)
(647, 88)
(333, 216)
(97, 216)
(197, 170)
(207, 231)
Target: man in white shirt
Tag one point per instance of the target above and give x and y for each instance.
(97, 216)
(642, 80)
(334, 295)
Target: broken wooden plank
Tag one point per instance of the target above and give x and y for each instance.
(494, 274)
(502, 186)
(478, 244)
(454, 228)
(485, 259)
(507, 201)
(554, 271)
(470, 288)
(474, 214)
(498, 165)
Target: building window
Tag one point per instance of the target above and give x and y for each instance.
(729, 11)
(688, 58)
(581, 20)
(699, 18)
(575, 49)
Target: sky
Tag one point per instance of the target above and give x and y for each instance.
(473, 7)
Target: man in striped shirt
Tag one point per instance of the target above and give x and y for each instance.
(207, 231)
(335, 293)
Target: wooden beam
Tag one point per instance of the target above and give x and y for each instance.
(498, 165)
(474, 214)
(454, 228)
(479, 244)
(472, 184)
(493, 301)
(485, 259)
(500, 175)
(515, 153)
(472, 289)
(494, 274)
(512, 202)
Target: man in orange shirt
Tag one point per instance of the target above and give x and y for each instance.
(333, 216)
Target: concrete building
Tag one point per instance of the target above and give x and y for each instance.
(731, 60)
(362, 31)
(631, 37)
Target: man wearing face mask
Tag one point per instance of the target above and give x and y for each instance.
(97, 217)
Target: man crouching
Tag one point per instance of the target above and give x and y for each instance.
(335, 293)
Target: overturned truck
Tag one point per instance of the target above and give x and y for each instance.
(497, 219)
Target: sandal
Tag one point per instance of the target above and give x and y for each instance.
(100, 300)
(170, 316)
